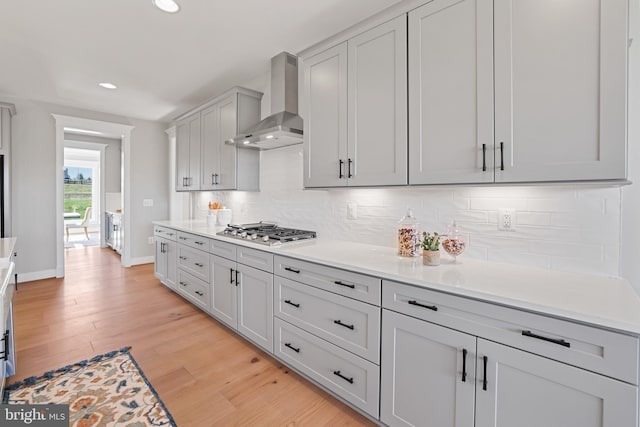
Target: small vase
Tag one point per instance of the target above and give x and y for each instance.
(430, 257)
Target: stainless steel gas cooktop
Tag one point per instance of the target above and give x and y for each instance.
(266, 233)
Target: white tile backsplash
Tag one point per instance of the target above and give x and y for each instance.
(560, 227)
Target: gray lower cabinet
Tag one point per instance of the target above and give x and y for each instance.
(165, 265)
(435, 376)
(242, 296)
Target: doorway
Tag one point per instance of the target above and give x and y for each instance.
(118, 131)
(82, 196)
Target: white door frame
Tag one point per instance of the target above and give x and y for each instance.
(108, 129)
(95, 146)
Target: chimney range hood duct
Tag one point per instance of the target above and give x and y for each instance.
(285, 126)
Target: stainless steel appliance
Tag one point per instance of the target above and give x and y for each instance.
(266, 233)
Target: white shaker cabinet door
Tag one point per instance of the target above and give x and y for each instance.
(422, 374)
(255, 306)
(210, 148)
(377, 106)
(560, 89)
(451, 92)
(526, 390)
(224, 295)
(228, 154)
(325, 118)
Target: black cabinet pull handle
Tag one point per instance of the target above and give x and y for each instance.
(464, 365)
(297, 350)
(5, 340)
(485, 359)
(502, 156)
(338, 374)
(340, 164)
(484, 157)
(199, 293)
(199, 243)
(183, 283)
(416, 303)
(199, 265)
(183, 258)
(161, 248)
(349, 175)
(237, 281)
(231, 276)
(338, 322)
(217, 179)
(293, 270)
(213, 180)
(169, 234)
(558, 341)
(182, 238)
(346, 285)
(288, 301)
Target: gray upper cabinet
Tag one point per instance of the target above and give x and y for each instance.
(188, 153)
(355, 107)
(553, 80)
(219, 166)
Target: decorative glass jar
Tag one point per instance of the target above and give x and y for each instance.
(408, 237)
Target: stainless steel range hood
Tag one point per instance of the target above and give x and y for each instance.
(285, 126)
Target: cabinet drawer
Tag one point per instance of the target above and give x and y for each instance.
(195, 290)
(165, 233)
(352, 325)
(255, 258)
(194, 261)
(223, 249)
(350, 377)
(352, 285)
(193, 240)
(598, 350)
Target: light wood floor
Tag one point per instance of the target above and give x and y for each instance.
(205, 374)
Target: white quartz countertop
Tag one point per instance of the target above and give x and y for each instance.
(603, 301)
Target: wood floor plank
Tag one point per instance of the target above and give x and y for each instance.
(205, 374)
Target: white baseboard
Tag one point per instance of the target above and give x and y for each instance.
(143, 260)
(36, 275)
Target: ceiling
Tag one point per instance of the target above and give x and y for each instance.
(163, 64)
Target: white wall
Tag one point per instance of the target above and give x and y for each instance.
(33, 179)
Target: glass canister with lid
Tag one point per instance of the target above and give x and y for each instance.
(408, 235)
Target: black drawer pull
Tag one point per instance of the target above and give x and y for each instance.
(182, 238)
(464, 365)
(338, 282)
(338, 374)
(169, 234)
(485, 359)
(199, 243)
(338, 322)
(293, 270)
(288, 301)
(416, 303)
(5, 339)
(297, 350)
(558, 341)
(183, 283)
(199, 264)
(184, 258)
(199, 293)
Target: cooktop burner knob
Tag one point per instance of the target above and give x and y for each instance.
(265, 238)
(244, 234)
(234, 232)
(254, 236)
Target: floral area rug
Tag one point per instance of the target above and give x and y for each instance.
(108, 390)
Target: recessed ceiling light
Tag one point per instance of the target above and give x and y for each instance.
(108, 85)
(245, 142)
(168, 6)
(269, 137)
